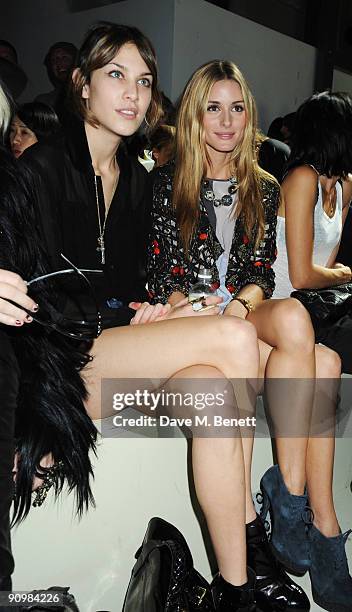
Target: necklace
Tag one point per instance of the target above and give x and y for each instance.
(101, 237)
(332, 197)
(226, 199)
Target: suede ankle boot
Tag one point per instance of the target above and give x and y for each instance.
(230, 598)
(329, 574)
(274, 589)
(289, 537)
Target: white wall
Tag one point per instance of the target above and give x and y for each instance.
(34, 26)
(279, 69)
(342, 81)
(186, 33)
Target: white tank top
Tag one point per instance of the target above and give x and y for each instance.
(327, 234)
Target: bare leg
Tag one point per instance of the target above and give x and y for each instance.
(247, 441)
(285, 325)
(218, 471)
(158, 351)
(321, 450)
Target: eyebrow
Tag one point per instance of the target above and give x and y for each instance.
(217, 102)
(125, 68)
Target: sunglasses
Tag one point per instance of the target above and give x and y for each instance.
(86, 328)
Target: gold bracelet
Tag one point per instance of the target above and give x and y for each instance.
(246, 303)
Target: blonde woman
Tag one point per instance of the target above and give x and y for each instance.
(214, 207)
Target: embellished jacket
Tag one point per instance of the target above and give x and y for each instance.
(169, 269)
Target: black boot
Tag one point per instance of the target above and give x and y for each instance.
(230, 598)
(274, 589)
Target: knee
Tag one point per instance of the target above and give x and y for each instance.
(294, 326)
(328, 363)
(239, 336)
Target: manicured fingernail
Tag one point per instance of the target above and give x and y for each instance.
(29, 319)
(18, 322)
(35, 308)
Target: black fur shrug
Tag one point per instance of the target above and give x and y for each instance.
(51, 416)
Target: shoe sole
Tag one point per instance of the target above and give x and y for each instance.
(330, 607)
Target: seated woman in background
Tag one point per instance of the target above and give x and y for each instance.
(33, 122)
(215, 208)
(89, 205)
(316, 194)
(162, 144)
(309, 234)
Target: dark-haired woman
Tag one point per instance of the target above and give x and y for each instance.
(317, 191)
(89, 205)
(33, 122)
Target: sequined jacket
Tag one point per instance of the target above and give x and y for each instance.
(170, 270)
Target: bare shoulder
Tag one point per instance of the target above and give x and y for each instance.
(302, 180)
(301, 177)
(347, 190)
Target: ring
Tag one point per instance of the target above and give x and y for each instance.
(197, 306)
(198, 303)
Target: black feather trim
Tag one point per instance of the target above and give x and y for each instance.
(51, 417)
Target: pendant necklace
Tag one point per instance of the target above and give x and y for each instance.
(332, 197)
(101, 237)
(226, 199)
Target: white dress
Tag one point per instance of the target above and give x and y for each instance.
(327, 235)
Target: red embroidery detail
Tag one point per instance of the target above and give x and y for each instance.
(258, 264)
(175, 270)
(267, 265)
(203, 236)
(155, 243)
(245, 239)
(151, 293)
(182, 271)
(156, 251)
(215, 285)
(230, 288)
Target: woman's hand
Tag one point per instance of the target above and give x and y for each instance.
(147, 313)
(14, 288)
(184, 308)
(344, 273)
(236, 309)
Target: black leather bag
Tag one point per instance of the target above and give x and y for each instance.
(326, 305)
(163, 578)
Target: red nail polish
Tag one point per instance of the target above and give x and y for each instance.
(17, 322)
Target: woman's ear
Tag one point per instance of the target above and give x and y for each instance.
(85, 91)
(78, 80)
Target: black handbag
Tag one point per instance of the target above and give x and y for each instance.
(163, 578)
(326, 305)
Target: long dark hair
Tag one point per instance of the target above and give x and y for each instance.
(40, 118)
(322, 134)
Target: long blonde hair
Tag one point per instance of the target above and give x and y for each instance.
(5, 113)
(192, 155)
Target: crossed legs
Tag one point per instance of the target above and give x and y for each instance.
(209, 347)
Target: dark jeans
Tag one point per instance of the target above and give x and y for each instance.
(338, 336)
(9, 377)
